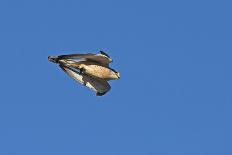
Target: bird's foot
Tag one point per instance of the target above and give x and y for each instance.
(82, 70)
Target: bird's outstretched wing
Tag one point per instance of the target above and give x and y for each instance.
(99, 86)
(102, 58)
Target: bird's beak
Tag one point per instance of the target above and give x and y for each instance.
(53, 59)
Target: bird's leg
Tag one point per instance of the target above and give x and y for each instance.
(82, 70)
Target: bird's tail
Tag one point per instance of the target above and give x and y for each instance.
(54, 59)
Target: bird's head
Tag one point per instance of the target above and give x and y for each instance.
(118, 75)
(115, 74)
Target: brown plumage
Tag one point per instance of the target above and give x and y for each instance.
(91, 70)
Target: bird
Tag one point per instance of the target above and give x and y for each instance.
(91, 70)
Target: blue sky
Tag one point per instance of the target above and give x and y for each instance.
(173, 98)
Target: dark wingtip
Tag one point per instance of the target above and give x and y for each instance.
(103, 53)
(100, 94)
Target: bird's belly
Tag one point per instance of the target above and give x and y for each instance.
(98, 71)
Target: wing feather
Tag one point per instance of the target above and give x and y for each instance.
(97, 85)
(101, 58)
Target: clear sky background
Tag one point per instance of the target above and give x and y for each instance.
(173, 98)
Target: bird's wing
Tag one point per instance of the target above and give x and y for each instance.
(97, 85)
(101, 58)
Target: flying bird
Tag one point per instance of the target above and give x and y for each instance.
(91, 70)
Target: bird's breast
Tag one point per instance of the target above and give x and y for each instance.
(98, 71)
